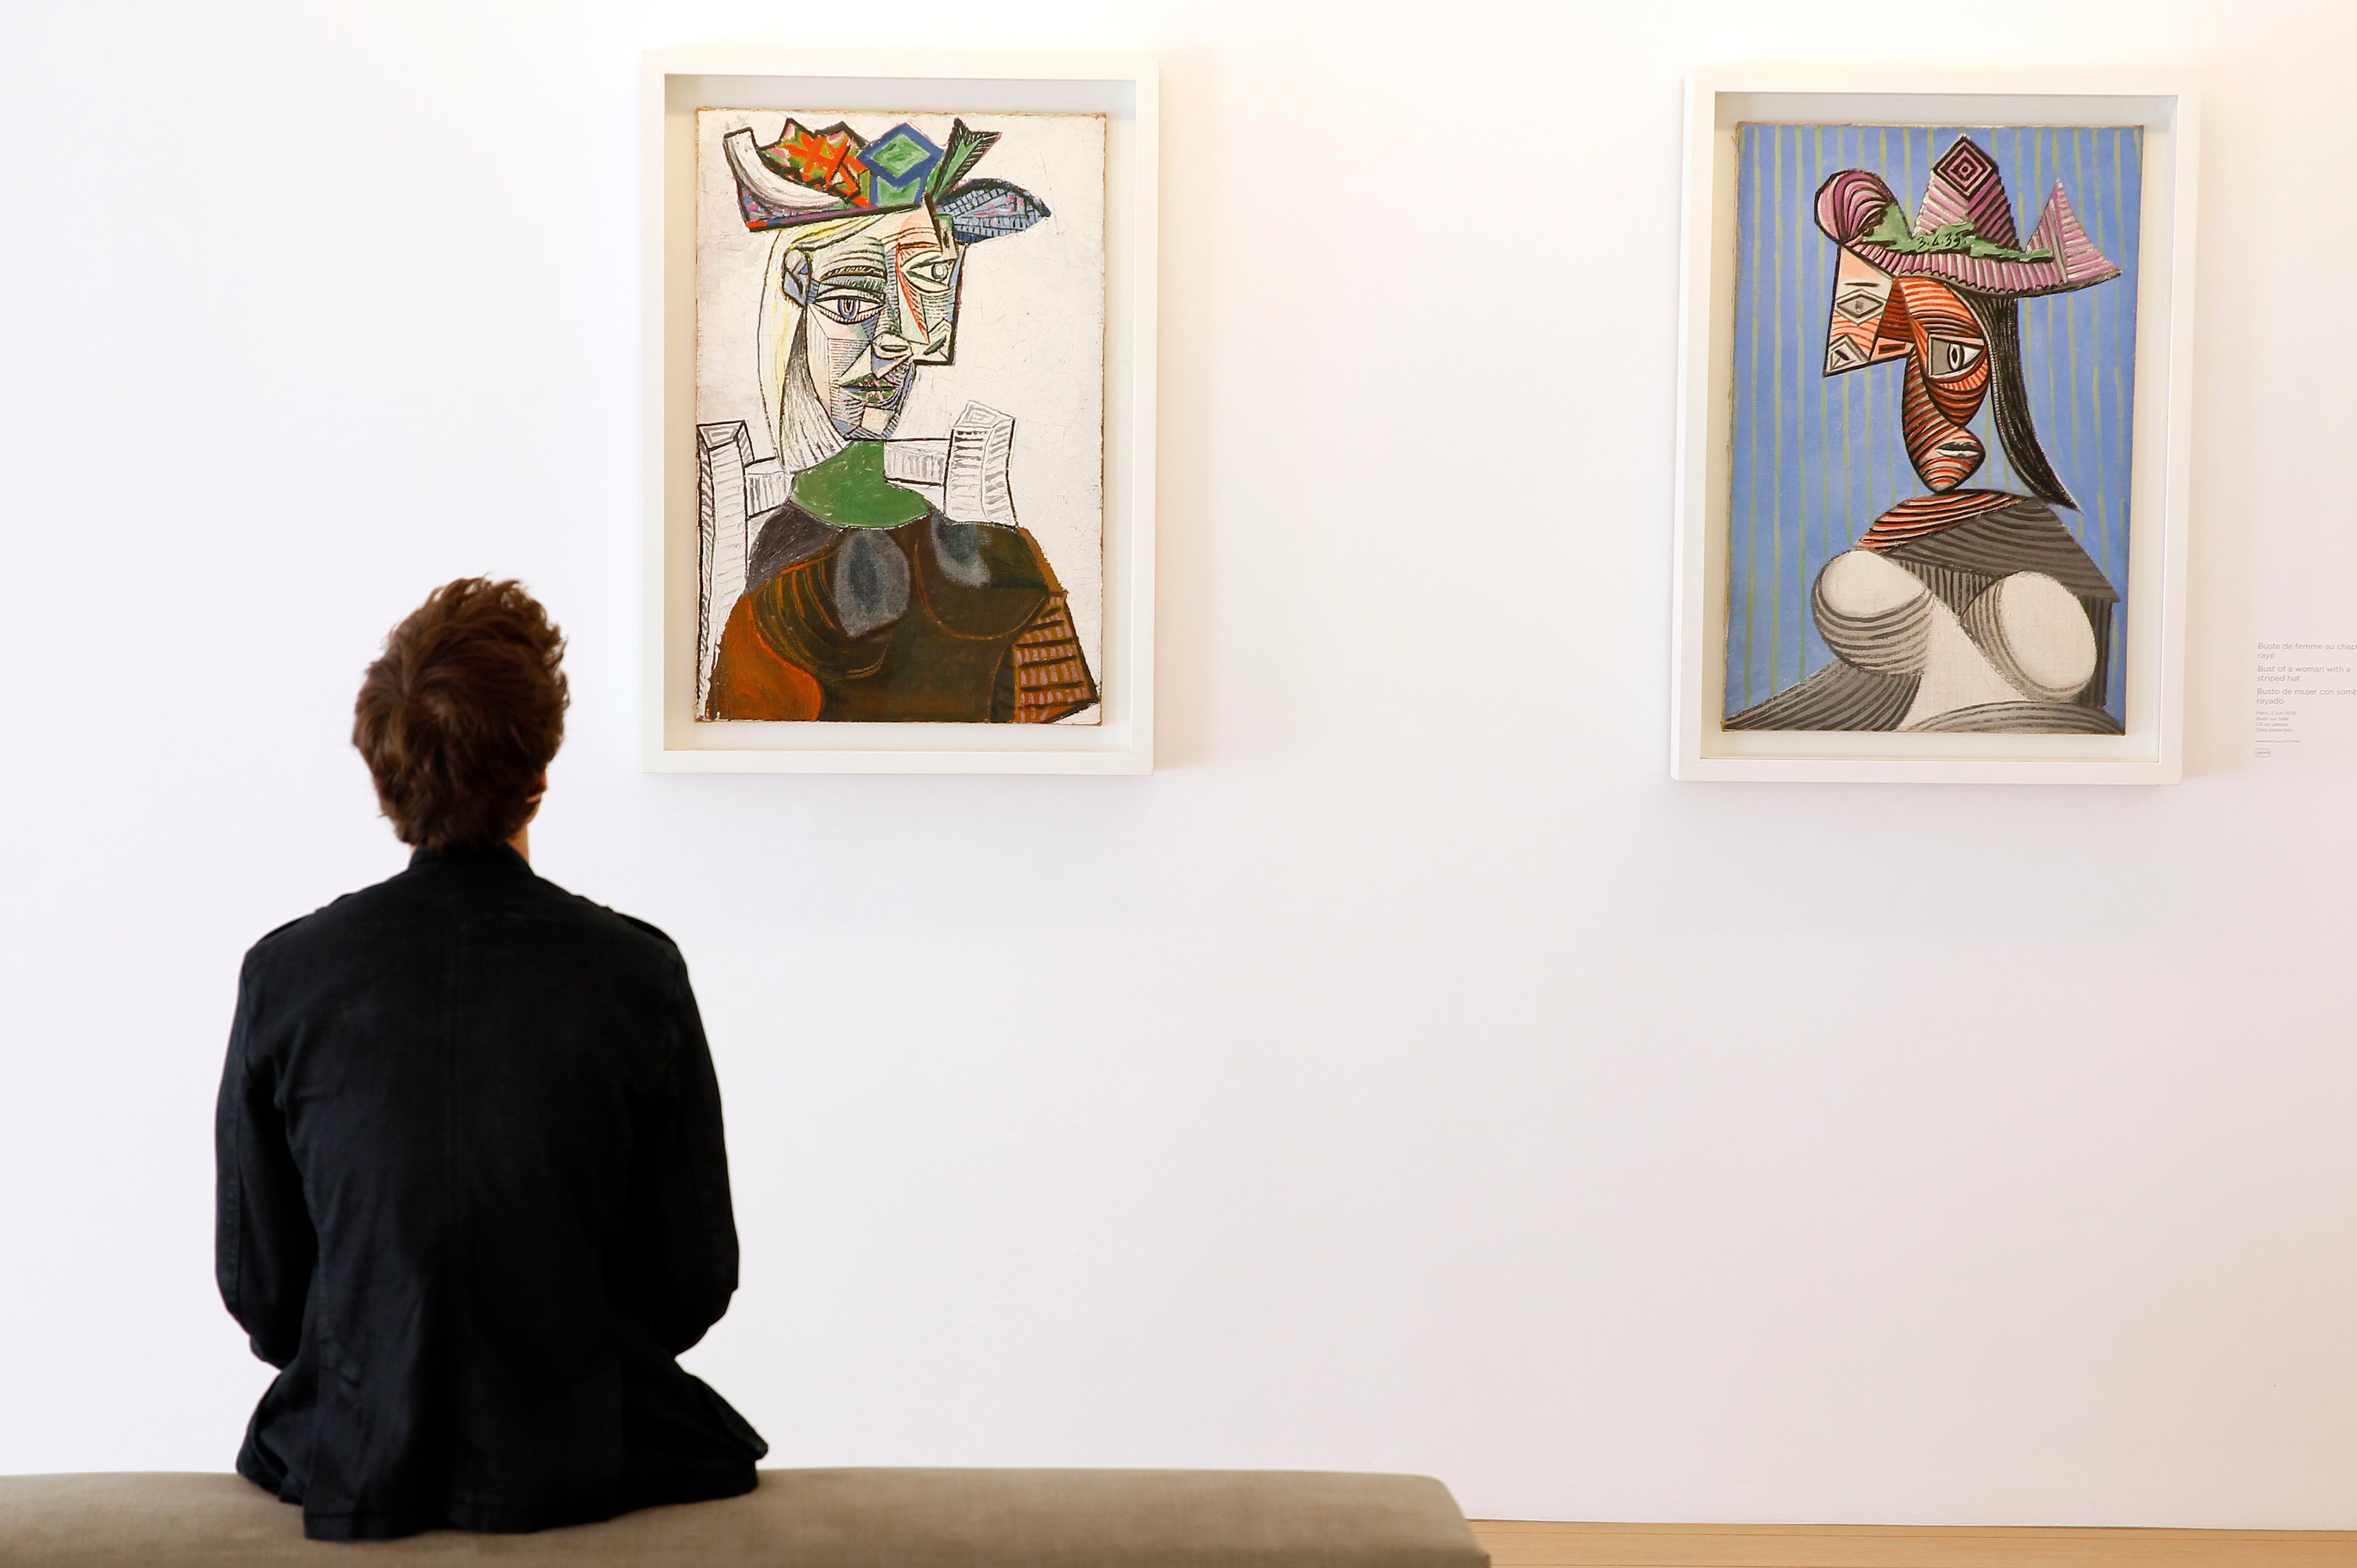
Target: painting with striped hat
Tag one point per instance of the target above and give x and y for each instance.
(1929, 514)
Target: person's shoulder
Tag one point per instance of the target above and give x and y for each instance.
(294, 934)
(295, 959)
(270, 938)
(645, 927)
(626, 931)
(644, 933)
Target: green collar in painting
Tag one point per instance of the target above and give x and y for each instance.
(850, 490)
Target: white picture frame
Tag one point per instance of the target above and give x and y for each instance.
(1719, 100)
(675, 84)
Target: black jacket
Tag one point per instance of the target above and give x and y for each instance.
(473, 1200)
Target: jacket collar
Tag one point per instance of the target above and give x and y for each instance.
(498, 854)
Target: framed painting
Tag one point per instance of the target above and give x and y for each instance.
(1933, 383)
(899, 446)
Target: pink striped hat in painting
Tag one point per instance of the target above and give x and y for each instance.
(1963, 232)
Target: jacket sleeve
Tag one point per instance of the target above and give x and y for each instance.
(685, 1230)
(263, 1246)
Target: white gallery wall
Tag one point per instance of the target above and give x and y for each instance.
(1408, 1075)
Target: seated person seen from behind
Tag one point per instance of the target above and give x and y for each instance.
(473, 1193)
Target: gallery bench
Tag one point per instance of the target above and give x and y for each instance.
(795, 1518)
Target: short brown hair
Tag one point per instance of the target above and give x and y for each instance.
(462, 713)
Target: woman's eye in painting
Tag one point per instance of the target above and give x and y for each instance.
(1952, 356)
(931, 274)
(844, 305)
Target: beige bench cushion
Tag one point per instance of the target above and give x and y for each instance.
(797, 1518)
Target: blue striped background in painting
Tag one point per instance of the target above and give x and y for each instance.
(1818, 458)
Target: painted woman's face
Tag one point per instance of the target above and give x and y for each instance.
(877, 302)
(1925, 322)
(1947, 379)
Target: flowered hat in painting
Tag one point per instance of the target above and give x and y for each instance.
(809, 176)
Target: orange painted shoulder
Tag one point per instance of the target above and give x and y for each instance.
(750, 680)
